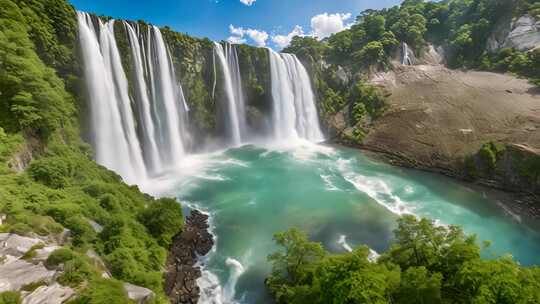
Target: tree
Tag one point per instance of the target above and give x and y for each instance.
(371, 54)
(418, 286)
(163, 219)
(437, 248)
(498, 281)
(306, 48)
(351, 278)
(297, 253)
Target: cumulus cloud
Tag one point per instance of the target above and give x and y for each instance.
(282, 41)
(324, 25)
(239, 35)
(248, 2)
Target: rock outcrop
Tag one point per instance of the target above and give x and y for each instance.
(522, 34)
(139, 295)
(182, 270)
(15, 274)
(53, 294)
(437, 117)
(16, 245)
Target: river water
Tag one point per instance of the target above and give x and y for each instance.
(341, 197)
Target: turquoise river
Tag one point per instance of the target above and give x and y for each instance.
(341, 197)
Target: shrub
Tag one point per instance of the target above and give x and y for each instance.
(102, 291)
(76, 271)
(60, 256)
(10, 297)
(163, 219)
(53, 172)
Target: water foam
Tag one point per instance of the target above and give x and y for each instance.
(374, 187)
(327, 179)
(342, 241)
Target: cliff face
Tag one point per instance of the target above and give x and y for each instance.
(200, 75)
(441, 120)
(522, 34)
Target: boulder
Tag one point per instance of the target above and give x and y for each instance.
(53, 294)
(138, 294)
(18, 273)
(16, 245)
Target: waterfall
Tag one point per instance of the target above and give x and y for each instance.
(169, 104)
(294, 111)
(235, 109)
(406, 57)
(143, 100)
(113, 127)
(161, 103)
(139, 135)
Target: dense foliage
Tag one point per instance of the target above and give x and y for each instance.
(426, 264)
(462, 26)
(50, 182)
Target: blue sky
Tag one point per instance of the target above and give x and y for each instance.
(260, 22)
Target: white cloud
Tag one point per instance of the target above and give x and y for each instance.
(324, 25)
(283, 41)
(248, 2)
(239, 35)
(236, 40)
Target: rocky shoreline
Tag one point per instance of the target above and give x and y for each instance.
(181, 270)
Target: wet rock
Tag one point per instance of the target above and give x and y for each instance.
(182, 271)
(53, 294)
(138, 294)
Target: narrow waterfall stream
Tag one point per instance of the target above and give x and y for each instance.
(235, 109)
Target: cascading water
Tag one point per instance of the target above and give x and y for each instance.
(143, 100)
(169, 103)
(113, 127)
(236, 113)
(406, 57)
(294, 111)
(161, 110)
(162, 106)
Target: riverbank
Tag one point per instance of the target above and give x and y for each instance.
(518, 204)
(182, 270)
(438, 120)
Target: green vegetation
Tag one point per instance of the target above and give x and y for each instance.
(461, 27)
(193, 61)
(102, 291)
(31, 253)
(60, 186)
(10, 297)
(426, 264)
